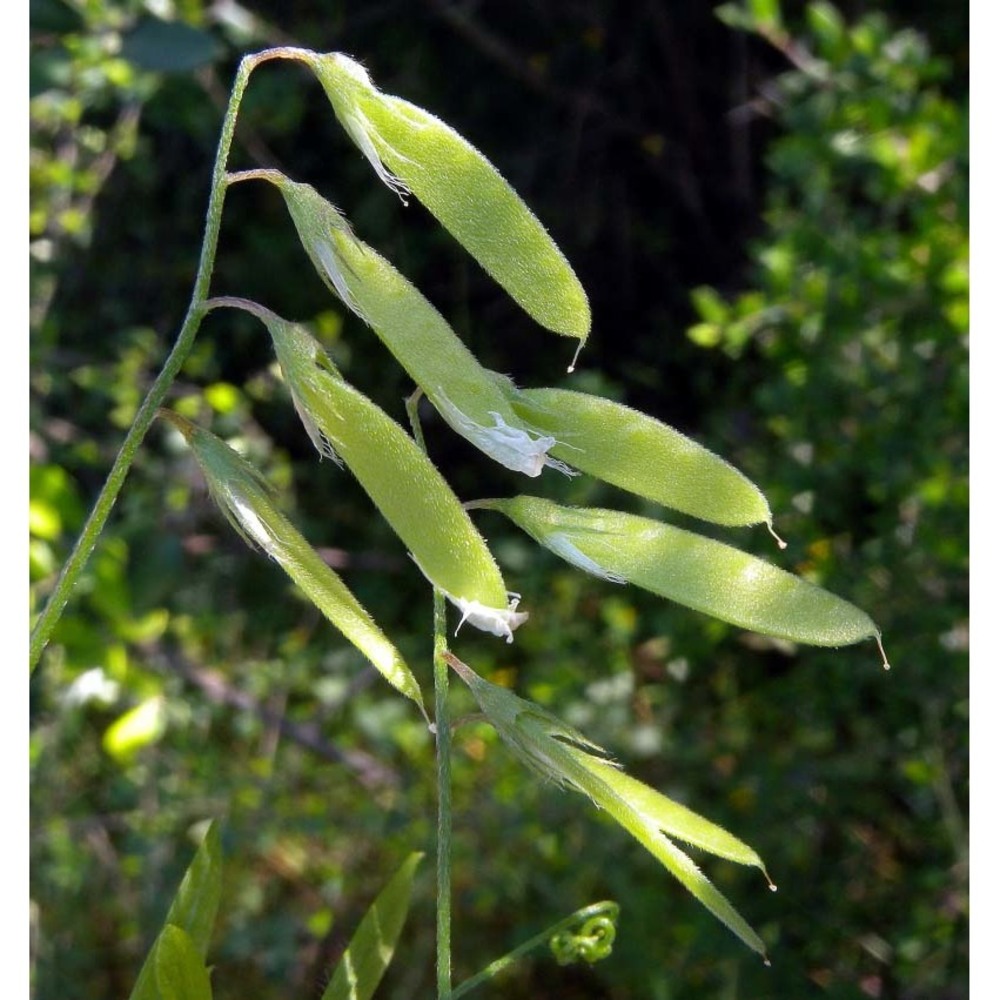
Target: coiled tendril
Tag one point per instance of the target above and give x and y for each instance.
(591, 943)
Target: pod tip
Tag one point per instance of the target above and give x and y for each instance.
(782, 544)
(886, 665)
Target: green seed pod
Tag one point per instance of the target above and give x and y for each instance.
(566, 757)
(412, 151)
(400, 479)
(248, 503)
(635, 452)
(471, 399)
(692, 570)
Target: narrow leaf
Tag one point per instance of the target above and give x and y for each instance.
(413, 151)
(196, 903)
(192, 911)
(362, 966)
(562, 755)
(247, 502)
(692, 570)
(635, 452)
(180, 969)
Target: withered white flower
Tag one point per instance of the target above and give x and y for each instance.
(513, 447)
(500, 622)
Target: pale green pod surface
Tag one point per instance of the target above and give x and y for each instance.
(635, 452)
(561, 754)
(472, 400)
(399, 478)
(363, 964)
(413, 151)
(692, 570)
(247, 502)
(672, 818)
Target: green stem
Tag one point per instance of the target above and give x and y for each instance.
(74, 565)
(442, 728)
(606, 908)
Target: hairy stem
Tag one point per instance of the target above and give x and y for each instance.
(74, 565)
(442, 727)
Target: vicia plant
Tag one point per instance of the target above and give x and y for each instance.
(527, 430)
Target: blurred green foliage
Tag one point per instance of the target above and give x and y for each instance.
(652, 142)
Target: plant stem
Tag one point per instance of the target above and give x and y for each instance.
(442, 724)
(442, 728)
(74, 565)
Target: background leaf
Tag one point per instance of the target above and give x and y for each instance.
(360, 970)
(169, 46)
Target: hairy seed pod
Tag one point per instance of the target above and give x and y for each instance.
(692, 570)
(413, 151)
(563, 755)
(472, 400)
(400, 479)
(246, 499)
(638, 453)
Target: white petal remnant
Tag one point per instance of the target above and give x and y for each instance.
(497, 621)
(514, 448)
(321, 442)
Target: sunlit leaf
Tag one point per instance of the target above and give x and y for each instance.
(180, 970)
(361, 967)
(137, 728)
(193, 912)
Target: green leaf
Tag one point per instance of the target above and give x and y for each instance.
(135, 729)
(362, 966)
(180, 969)
(562, 755)
(245, 498)
(197, 900)
(169, 46)
(766, 13)
(692, 570)
(637, 453)
(192, 911)
(472, 400)
(412, 151)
